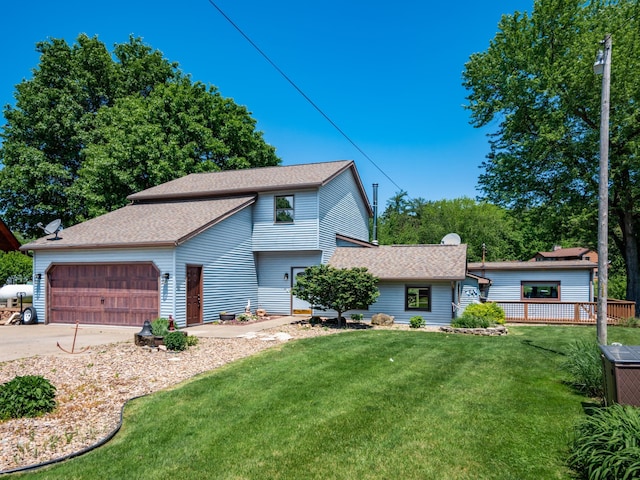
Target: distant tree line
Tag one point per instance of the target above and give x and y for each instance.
(496, 232)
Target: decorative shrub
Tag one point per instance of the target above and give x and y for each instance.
(480, 315)
(175, 341)
(607, 444)
(28, 396)
(245, 317)
(192, 340)
(160, 327)
(357, 317)
(417, 322)
(584, 366)
(470, 321)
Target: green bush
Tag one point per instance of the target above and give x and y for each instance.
(417, 322)
(480, 315)
(192, 340)
(607, 444)
(176, 341)
(357, 317)
(470, 321)
(160, 327)
(584, 365)
(28, 396)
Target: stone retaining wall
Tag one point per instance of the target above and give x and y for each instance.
(488, 332)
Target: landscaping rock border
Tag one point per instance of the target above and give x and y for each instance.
(487, 332)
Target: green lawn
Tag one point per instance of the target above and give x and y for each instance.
(360, 405)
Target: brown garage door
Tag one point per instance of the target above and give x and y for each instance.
(106, 294)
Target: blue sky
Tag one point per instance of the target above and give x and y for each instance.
(388, 74)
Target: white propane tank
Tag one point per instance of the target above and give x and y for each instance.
(11, 291)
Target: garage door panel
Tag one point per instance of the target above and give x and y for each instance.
(111, 294)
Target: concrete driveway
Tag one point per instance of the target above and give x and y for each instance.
(21, 341)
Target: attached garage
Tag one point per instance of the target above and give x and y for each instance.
(103, 293)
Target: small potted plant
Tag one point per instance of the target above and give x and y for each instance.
(225, 317)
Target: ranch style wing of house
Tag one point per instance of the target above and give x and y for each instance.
(548, 291)
(200, 245)
(414, 280)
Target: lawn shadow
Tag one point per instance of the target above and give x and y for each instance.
(531, 344)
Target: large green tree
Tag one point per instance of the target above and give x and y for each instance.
(482, 226)
(90, 127)
(535, 87)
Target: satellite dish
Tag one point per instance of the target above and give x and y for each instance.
(450, 239)
(52, 228)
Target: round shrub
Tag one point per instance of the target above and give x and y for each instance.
(417, 322)
(160, 327)
(27, 396)
(176, 341)
(192, 340)
(607, 444)
(480, 315)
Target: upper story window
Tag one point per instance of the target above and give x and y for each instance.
(541, 291)
(417, 298)
(284, 212)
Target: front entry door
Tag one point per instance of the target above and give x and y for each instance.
(298, 307)
(194, 295)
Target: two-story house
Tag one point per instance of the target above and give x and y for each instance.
(201, 244)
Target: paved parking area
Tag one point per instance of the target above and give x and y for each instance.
(21, 341)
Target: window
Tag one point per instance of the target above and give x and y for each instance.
(284, 209)
(417, 298)
(541, 291)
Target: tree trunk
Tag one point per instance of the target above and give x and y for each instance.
(631, 260)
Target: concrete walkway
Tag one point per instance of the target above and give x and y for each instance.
(21, 341)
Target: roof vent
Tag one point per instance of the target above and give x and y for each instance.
(450, 239)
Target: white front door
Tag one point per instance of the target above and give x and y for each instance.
(298, 307)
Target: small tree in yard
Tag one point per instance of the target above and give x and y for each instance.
(339, 289)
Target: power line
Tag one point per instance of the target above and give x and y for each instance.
(304, 95)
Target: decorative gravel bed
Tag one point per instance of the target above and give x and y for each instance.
(92, 387)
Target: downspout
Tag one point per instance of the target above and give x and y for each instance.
(375, 215)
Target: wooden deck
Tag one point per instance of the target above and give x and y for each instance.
(575, 313)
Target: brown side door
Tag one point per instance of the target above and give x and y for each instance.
(194, 295)
(106, 294)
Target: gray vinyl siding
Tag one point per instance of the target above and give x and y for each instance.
(302, 234)
(274, 292)
(342, 211)
(228, 269)
(392, 302)
(575, 285)
(470, 294)
(42, 259)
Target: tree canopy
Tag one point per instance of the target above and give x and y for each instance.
(418, 221)
(91, 127)
(535, 83)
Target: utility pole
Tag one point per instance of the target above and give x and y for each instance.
(603, 67)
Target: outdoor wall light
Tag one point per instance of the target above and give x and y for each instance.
(286, 276)
(165, 278)
(38, 276)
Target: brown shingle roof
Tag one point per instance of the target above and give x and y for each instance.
(153, 224)
(576, 252)
(252, 180)
(558, 265)
(406, 262)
